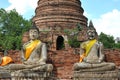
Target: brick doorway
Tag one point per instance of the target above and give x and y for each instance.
(60, 43)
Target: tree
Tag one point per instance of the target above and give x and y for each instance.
(107, 40)
(12, 27)
(117, 45)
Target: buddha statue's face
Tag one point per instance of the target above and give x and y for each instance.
(34, 34)
(91, 34)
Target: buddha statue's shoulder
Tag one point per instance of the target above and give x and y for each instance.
(99, 43)
(25, 44)
(37, 42)
(83, 44)
(43, 45)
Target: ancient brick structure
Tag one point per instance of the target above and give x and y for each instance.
(56, 20)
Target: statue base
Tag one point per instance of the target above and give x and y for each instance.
(96, 75)
(26, 75)
(5, 75)
(31, 75)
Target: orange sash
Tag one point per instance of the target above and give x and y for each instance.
(30, 47)
(87, 47)
(6, 60)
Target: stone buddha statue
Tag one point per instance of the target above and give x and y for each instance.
(33, 54)
(92, 56)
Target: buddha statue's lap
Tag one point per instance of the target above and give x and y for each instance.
(92, 56)
(33, 54)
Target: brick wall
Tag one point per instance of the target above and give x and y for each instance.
(112, 55)
(15, 55)
(63, 60)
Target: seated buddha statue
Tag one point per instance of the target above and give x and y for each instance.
(92, 56)
(33, 54)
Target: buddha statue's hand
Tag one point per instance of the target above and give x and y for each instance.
(41, 62)
(29, 63)
(85, 60)
(99, 60)
(26, 63)
(23, 59)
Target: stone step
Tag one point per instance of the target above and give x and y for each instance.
(95, 79)
(101, 75)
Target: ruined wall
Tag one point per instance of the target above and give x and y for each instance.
(113, 55)
(63, 61)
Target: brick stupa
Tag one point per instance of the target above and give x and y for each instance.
(53, 17)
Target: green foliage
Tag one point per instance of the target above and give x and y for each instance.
(67, 31)
(79, 27)
(107, 40)
(117, 45)
(72, 34)
(73, 42)
(75, 31)
(12, 27)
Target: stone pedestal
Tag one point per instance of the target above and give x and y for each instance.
(101, 75)
(31, 75)
(5, 75)
(26, 75)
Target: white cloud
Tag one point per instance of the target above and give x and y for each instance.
(22, 6)
(108, 23)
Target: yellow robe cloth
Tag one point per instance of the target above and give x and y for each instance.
(30, 47)
(6, 60)
(87, 47)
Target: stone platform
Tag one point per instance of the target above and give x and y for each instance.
(26, 75)
(101, 75)
(4, 75)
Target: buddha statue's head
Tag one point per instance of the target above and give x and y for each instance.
(34, 32)
(91, 34)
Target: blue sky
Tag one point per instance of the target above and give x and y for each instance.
(95, 8)
(105, 14)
